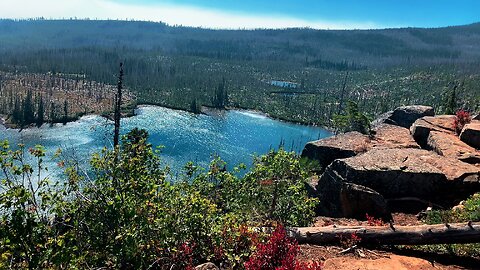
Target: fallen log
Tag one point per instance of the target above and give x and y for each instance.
(457, 233)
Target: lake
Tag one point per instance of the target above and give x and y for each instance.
(236, 136)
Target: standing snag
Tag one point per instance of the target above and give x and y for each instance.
(118, 103)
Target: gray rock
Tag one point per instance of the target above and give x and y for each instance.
(399, 173)
(325, 151)
(471, 134)
(405, 116)
(350, 144)
(343, 199)
(421, 128)
(391, 136)
(449, 145)
(383, 119)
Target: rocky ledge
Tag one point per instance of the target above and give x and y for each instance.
(399, 167)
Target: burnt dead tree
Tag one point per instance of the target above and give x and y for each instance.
(118, 103)
(455, 233)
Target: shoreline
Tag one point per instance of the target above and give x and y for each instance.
(205, 111)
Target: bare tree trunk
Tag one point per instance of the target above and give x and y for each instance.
(342, 95)
(457, 233)
(118, 103)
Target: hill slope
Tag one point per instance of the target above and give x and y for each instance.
(179, 66)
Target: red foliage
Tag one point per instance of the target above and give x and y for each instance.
(349, 240)
(278, 253)
(184, 256)
(372, 221)
(461, 119)
(355, 237)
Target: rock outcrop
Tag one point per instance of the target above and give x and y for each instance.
(350, 144)
(341, 146)
(405, 116)
(421, 128)
(361, 173)
(343, 199)
(449, 145)
(391, 136)
(471, 134)
(396, 173)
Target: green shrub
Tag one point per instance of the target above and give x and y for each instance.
(351, 120)
(125, 213)
(469, 212)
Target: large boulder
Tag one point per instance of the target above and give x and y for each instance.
(400, 173)
(391, 136)
(421, 128)
(350, 144)
(449, 145)
(345, 145)
(471, 134)
(405, 116)
(343, 199)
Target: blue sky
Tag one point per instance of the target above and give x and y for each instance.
(331, 14)
(422, 13)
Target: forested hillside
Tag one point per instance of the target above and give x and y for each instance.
(185, 67)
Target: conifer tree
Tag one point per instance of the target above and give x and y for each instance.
(65, 112)
(451, 105)
(28, 111)
(53, 114)
(40, 112)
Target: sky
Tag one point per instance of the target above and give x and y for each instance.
(239, 14)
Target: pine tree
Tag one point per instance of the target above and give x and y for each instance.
(451, 104)
(40, 112)
(220, 99)
(17, 116)
(28, 111)
(65, 112)
(195, 107)
(53, 113)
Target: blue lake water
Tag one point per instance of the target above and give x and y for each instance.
(235, 136)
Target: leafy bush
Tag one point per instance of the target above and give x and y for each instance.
(352, 120)
(469, 212)
(274, 190)
(126, 213)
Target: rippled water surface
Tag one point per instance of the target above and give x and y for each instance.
(233, 135)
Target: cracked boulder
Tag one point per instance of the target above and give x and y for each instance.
(350, 144)
(471, 134)
(404, 116)
(406, 173)
(345, 145)
(390, 136)
(449, 145)
(421, 128)
(343, 199)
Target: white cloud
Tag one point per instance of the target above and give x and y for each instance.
(171, 14)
